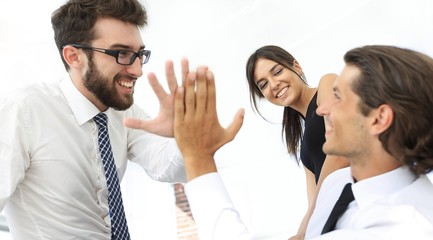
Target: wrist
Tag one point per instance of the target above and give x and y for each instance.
(199, 165)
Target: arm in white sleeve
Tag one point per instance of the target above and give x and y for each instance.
(14, 146)
(158, 156)
(161, 159)
(213, 210)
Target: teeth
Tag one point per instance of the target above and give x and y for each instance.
(282, 92)
(126, 84)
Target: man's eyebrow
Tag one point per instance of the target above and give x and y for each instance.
(118, 45)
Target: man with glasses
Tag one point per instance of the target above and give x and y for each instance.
(63, 146)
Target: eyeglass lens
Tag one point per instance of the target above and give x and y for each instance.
(128, 57)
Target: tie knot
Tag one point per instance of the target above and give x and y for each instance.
(101, 120)
(347, 195)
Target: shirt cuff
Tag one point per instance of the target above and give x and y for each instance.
(207, 189)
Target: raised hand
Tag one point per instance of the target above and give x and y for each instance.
(163, 123)
(197, 129)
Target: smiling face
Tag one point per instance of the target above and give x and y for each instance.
(111, 92)
(280, 85)
(347, 132)
(106, 83)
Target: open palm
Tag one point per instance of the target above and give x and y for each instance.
(163, 123)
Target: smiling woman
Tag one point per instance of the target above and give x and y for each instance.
(275, 75)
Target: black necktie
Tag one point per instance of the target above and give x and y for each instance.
(119, 228)
(340, 207)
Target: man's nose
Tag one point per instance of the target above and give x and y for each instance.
(323, 107)
(136, 68)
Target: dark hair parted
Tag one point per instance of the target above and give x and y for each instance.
(403, 79)
(292, 120)
(74, 21)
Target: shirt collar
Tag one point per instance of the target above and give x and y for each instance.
(371, 189)
(81, 107)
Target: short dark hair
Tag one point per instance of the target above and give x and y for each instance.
(403, 79)
(74, 21)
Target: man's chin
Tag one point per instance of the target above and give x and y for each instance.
(123, 106)
(328, 150)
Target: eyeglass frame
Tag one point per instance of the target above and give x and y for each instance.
(115, 53)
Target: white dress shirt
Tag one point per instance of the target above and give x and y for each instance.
(394, 205)
(52, 182)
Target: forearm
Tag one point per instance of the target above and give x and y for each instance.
(312, 191)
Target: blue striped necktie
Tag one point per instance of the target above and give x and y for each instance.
(119, 228)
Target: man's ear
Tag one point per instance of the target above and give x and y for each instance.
(72, 56)
(382, 118)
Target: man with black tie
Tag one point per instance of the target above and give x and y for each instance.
(379, 118)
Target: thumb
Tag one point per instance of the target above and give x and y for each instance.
(136, 123)
(236, 125)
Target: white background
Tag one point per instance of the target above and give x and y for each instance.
(266, 185)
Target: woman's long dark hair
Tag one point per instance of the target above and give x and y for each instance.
(292, 119)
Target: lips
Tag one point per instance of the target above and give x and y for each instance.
(328, 128)
(126, 84)
(281, 93)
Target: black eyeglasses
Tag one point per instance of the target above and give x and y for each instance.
(123, 57)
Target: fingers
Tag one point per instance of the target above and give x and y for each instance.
(211, 90)
(201, 91)
(156, 86)
(171, 76)
(190, 102)
(185, 69)
(179, 106)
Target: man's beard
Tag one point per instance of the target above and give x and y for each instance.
(105, 90)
